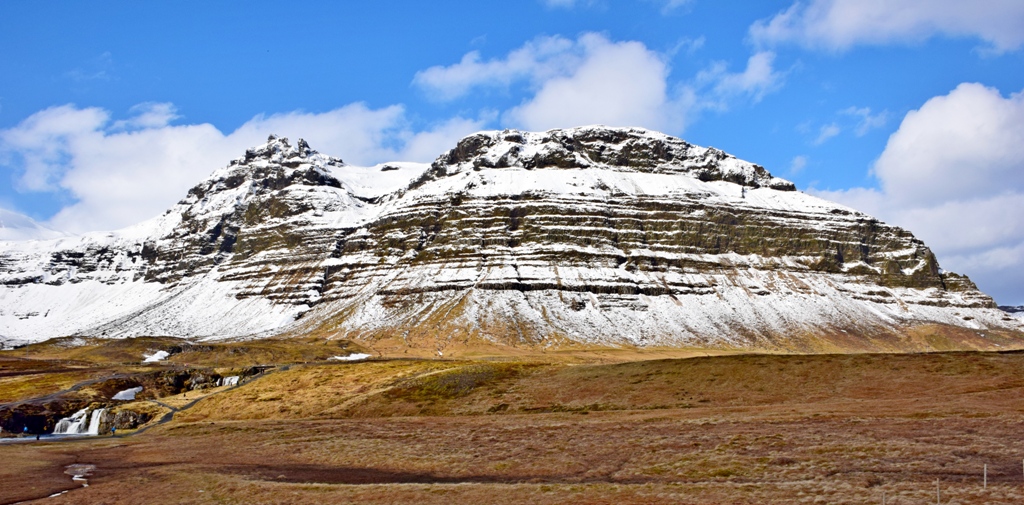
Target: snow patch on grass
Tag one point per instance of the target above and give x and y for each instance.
(350, 357)
(128, 394)
(155, 357)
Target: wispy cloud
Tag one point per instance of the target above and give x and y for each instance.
(860, 120)
(755, 81)
(99, 68)
(688, 46)
(569, 4)
(665, 6)
(148, 115)
(866, 120)
(672, 6)
(536, 61)
(826, 132)
(797, 165)
(838, 25)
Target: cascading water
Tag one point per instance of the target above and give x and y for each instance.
(72, 424)
(80, 423)
(228, 381)
(94, 423)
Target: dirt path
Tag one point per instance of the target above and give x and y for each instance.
(378, 390)
(168, 417)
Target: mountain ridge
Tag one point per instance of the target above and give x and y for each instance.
(590, 235)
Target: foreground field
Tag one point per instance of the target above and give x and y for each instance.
(727, 429)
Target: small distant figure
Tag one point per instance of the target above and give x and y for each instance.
(37, 437)
(113, 431)
(24, 430)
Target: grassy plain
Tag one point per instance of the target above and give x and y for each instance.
(617, 428)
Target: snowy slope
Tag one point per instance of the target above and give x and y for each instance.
(591, 234)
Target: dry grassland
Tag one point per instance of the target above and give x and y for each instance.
(130, 351)
(727, 429)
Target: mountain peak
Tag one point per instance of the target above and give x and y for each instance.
(613, 148)
(273, 166)
(280, 150)
(274, 184)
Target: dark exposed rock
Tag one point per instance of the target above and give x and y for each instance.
(39, 417)
(632, 149)
(126, 419)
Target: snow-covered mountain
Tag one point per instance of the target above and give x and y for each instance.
(587, 235)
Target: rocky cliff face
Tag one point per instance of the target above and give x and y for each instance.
(587, 235)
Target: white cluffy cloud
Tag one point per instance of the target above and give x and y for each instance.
(953, 173)
(595, 80)
(615, 83)
(121, 172)
(584, 81)
(840, 24)
(536, 61)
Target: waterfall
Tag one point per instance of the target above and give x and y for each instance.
(229, 381)
(70, 425)
(80, 423)
(94, 423)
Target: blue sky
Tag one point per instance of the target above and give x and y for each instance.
(109, 111)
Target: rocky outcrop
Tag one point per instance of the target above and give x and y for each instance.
(593, 235)
(41, 415)
(632, 150)
(127, 419)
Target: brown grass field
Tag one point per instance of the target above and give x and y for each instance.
(596, 427)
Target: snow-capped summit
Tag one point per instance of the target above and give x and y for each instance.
(619, 149)
(278, 152)
(614, 236)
